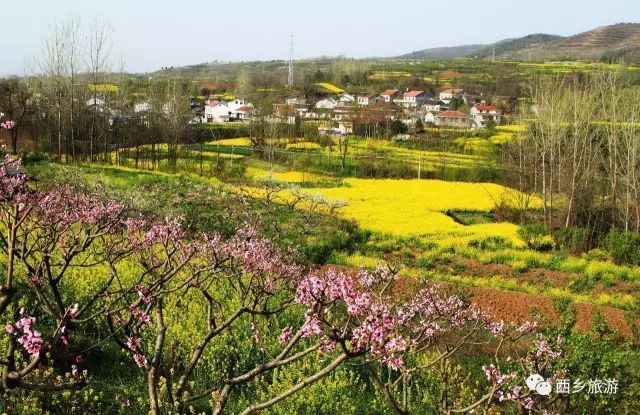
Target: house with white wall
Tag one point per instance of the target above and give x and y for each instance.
(326, 104)
(296, 101)
(482, 114)
(143, 106)
(434, 105)
(412, 99)
(370, 99)
(454, 119)
(389, 95)
(346, 99)
(451, 93)
(222, 111)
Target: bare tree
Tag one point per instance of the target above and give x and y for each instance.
(15, 102)
(99, 44)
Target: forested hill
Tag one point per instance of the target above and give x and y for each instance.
(614, 42)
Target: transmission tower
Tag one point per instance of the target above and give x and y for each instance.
(291, 63)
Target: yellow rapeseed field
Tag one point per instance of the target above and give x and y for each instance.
(330, 87)
(416, 207)
(283, 176)
(240, 142)
(303, 145)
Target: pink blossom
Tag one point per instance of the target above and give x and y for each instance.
(544, 349)
(30, 339)
(496, 327)
(529, 404)
(141, 316)
(285, 335)
(140, 360)
(9, 328)
(7, 125)
(133, 343)
(72, 311)
(527, 327)
(312, 325)
(142, 294)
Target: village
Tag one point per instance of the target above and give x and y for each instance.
(342, 111)
(336, 111)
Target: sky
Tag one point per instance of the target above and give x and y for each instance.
(150, 34)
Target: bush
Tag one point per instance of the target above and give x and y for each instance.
(573, 239)
(581, 286)
(491, 243)
(624, 247)
(537, 237)
(398, 127)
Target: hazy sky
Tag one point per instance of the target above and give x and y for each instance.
(149, 34)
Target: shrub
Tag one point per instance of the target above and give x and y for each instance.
(624, 247)
(573, 239)
(537, 237)
(581, 285)
(491, 243)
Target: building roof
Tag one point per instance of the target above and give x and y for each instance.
(413, 93)
(453, 91)
(486, 107)
(452, 114)
(389, 92)
(369, 96)
(243, 108)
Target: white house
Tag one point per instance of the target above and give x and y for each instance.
(434, 105)
(97, 101)
(237, 103)
(454, 119)
(326, 103)
(217, 111)
(370, 99)
(413, 99)
(430, 117)
(221, 111)
(389, 95)
(346, 98)
(141, 106)
(482, 114)
(296, 101)
(451, 93)
(244, 112)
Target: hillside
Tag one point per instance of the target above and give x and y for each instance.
(508, 46)
(615, 41)
(619, 41)
(443, 53)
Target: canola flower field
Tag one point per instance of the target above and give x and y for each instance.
(412, 207)
(412, 214)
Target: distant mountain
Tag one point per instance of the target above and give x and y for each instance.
(619, 41)
(507, 46)
(443, 53)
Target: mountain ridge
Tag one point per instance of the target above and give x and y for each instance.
(612, 42)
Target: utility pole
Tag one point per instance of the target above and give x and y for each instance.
(291, 63)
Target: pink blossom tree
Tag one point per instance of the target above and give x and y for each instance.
(145, 278)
